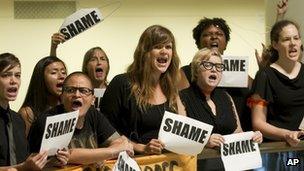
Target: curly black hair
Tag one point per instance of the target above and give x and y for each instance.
(207, 22)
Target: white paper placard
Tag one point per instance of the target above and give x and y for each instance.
(235, 72)
(183, 135)
(239, 152)
(98, 93)
(58, 131)
(80, 21)
(125, 162)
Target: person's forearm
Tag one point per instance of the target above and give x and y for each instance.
(271, 132)
(53, 50)
(18, 167)
(139, 148)
(88, 156)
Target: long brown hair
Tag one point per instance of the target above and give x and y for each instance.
(142, 84)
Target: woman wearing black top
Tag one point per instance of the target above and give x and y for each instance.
(277, 101)
(135, 101)
(207, 103)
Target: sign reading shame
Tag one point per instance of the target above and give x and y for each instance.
(183, 135)
(235, 72)
(80, 21)
(240, 147)
(58, 131)
(125, 163)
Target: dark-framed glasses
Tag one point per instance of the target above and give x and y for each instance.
(209, 65)
(82, 90)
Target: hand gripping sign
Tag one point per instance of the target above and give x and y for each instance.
(80, 21)
(183, 135)
(239, 152)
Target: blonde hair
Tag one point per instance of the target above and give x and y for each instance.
(142, 84)
(203, 54)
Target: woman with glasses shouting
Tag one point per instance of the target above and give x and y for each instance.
(207, 103)
(94, 139)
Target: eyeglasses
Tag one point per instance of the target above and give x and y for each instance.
(82, 90)
(209, 65)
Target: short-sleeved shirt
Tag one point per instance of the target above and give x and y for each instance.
(224, 122)
(239, 96)
(285, 97)
(95, 131)
(18, 134)
(121, 109)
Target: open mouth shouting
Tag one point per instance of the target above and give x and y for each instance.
(162, 60)
(12, 91)
(214, 45)
(59, 85)
(293, 52)
(76, 104)
(99, 72)
(213, 78)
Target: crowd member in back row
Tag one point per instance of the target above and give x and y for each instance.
(135, 101)
(94, 139)
(95, 64)
(44, 89)
(13, 144)
(207, 103)
(215, 34)
(277, 100)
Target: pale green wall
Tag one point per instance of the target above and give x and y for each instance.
(118, 34)
(294, 12)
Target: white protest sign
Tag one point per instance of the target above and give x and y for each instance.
(98, 93)
(125, 163)
(80, 21)
(301, 127)
(183, 135)
(240, 147)
(58, 131)
(235, 72)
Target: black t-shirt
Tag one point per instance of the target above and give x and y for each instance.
(19, 137)
(94, 133)
(285, 97)
(124, 114)
(224, 122)
(239, 96)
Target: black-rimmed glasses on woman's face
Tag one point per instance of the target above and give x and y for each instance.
(209, 65)
(82, 90)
